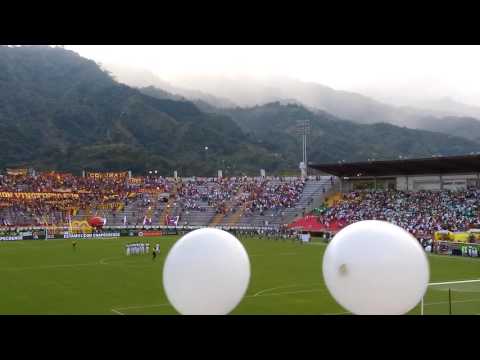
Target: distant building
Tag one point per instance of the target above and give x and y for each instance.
(435, 173)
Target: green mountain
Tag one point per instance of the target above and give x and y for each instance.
(332, 139)
(439, 115)
(61, 111)
(466, 127)
(141, 78)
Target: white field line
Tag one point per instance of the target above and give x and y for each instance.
(100, 262)
(454, 282)
(140, 265)
(262, 294)
(340, 313)
(270, 254)
(22, 246)
(117, 312)
(103, 261)
(248, 296)
(141, 306)
(48, 266)
(283, 287)
(290, 292)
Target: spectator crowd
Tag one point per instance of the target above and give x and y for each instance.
(421, 213)
(56, 198)
(255, 195)
(53, 198)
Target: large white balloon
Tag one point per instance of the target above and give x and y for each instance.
(206, 272)
(375, 267)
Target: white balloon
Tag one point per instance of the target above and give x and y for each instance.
(375, 267)
(206, 272)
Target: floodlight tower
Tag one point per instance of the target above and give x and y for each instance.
(303, 129)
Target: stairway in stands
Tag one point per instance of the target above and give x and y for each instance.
(230, 218)
(196, 217)
(235, 218)
(169, 206)
(218, 218)
(313, 190)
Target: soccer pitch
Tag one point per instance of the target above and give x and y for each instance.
(50, 277)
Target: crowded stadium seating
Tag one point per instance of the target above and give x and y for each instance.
(58, 199)
(421, 213)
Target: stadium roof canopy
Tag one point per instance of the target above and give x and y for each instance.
(423, 166)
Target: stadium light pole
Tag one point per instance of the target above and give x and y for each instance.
(206, 157)
(303, 129)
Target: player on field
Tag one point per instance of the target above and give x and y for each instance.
(74, 244)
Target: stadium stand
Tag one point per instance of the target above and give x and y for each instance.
(421, 212)
(58, 199)
(421, 195)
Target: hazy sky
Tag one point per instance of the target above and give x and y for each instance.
(386, 72)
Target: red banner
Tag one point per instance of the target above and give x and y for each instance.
(311, 223)
(150, 233)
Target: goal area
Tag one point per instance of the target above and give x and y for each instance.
(452, 298)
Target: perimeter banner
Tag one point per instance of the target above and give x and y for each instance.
(150, 233)
(11, 238)
(35, 195)
(108, 175)
(90, 236)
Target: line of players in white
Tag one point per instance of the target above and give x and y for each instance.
(140, 249)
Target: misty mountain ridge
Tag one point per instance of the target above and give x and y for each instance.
(248, 91)
(465, 127)
(447, 106)
(274, 126)
(60, 111)
(332, 139)
(344, 104)
(141, 78)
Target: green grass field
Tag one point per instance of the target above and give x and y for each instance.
(48, 277)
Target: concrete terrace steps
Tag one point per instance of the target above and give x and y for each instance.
(135, 210)
(312, 189)
(217, 219)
